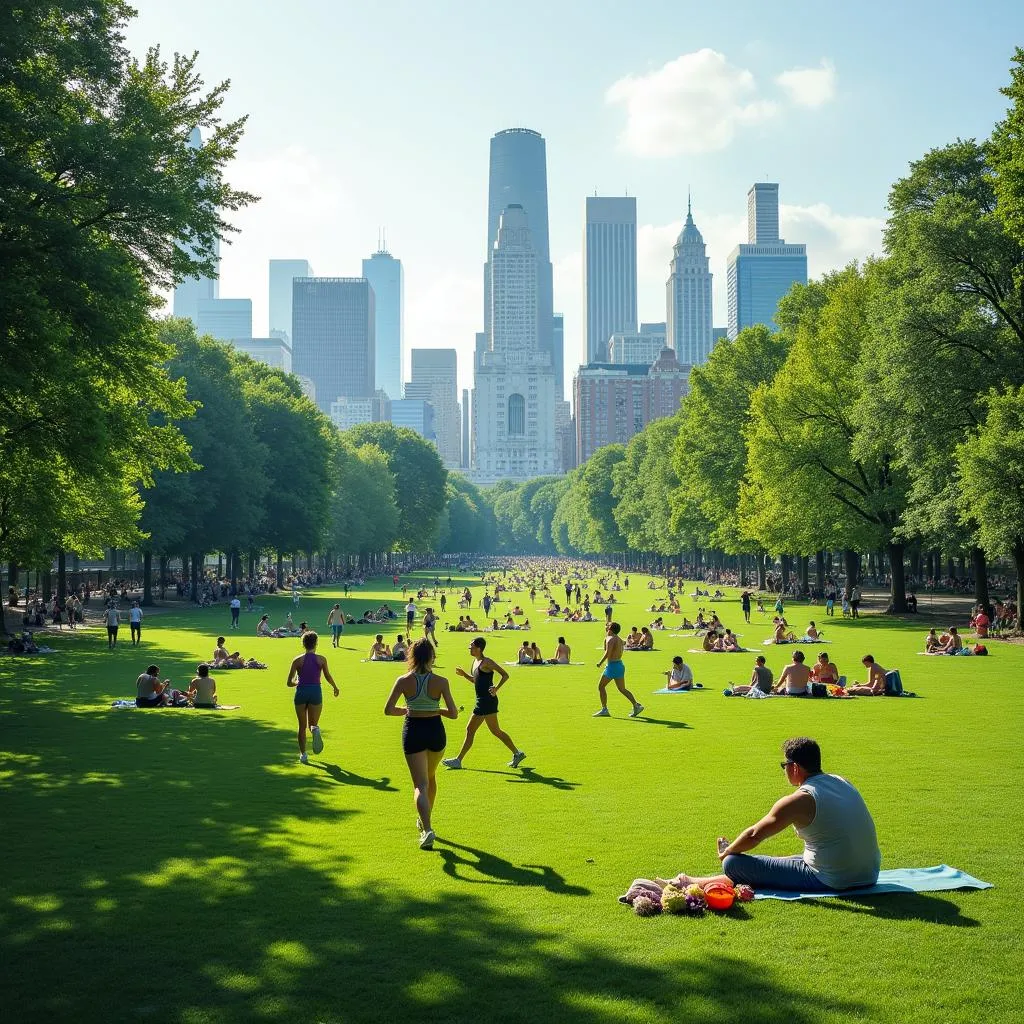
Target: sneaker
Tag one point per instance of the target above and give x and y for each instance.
(517, 759)
(638, 709)
(427, 840)
(318, 740)
(603, 713)
(303, 758)
(451, 762)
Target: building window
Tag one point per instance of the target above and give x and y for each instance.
(516, 415)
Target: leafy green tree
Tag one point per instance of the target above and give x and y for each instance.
(420, 479)
(592, 528)
(364, 511)
(1006, 157)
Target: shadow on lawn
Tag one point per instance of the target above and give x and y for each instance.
(525, 774)
(916, 906)
(173, 891)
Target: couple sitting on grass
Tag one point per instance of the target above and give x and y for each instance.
(949, 642)
(640, 640)
(721, 643)
(829, 816)
(153, 692)
(288, 629)
(529, 654)
(784, 635)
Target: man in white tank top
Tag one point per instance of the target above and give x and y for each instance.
(827, 813)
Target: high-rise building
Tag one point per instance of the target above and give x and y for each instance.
(465, 428)
(638, 349)
(762, 271)
(518, 177)
(558, 354)
(274, 351)
(415, 414)
(384, 273)
(609, 273)
(333, 339)
(514, 381)
(282, 273)
(224, 319)
(689, 296)
(193, 290)
(435, 380)
(346, 413)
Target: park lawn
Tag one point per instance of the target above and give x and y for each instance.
(182, 866)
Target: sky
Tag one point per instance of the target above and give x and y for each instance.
(369, 117)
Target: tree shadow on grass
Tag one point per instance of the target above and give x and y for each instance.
(192, 886)
(910, 906)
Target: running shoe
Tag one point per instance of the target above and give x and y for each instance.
(451, 762)
(318, 740)
(517, 759)
(638, 709)
(427, 840)
(303, 758)
(603, 713)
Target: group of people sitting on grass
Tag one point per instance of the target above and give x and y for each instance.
(950, 642)
(723, 642)
(667, 606)
(640, 639)
(822, 679)
(153, 692)
(529, 654)
(289, 629)
(509, 623)
(782, 634)
(223, 658)
(383, 651)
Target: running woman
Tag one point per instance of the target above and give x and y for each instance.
(423, 736)
(615, 669)
(429, 621)
(336, 620)
(309, 698)
(486, 709)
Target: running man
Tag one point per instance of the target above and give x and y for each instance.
(615, 669)
(134, 622)
(336, 620)
(309, 698)
(410, 615)
(486, 708)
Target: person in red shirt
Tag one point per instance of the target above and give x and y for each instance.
(981, 623)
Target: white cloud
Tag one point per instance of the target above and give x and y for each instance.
(693, 104)
(698, 102)
(809, 87)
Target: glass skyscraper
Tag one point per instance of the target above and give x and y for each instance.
(609, 273)
(763, 270)
(333, 320)
(518, 177)
(282, 273)
(689, 296)
(384, 273)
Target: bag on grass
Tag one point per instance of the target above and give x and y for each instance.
(980, 649)
(819, 690)
(893, 684)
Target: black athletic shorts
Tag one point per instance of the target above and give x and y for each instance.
(486, 706)
(420, 734)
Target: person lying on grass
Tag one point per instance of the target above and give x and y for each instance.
(828, 814)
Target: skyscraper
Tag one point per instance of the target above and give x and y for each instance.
(333, 343)
(224, 319)
(193, 290)
(519, 177)
(282, 273)
(384, 273)
(514, 381)
(435, 380)
(465, 428)
(609, 275)
(763, 270)
(558, 354)
(689, 296)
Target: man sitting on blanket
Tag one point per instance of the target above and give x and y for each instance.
(150, 690)
(875, 685)
(795, 678)
(828, 814)
(379, 651)
(760, 679)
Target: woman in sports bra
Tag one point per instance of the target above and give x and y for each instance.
(423, 736)
(309, 697)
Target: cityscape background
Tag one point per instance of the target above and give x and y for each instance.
(362, 120)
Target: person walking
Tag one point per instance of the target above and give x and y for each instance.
(444, 603)
(336, 620)
(236, 610)
(614, 669)
(410, 615)
(309, 698)
(423, 735)
(112, 618)
(135, 623)
(745, 603)
(486, 708)
(429, 621)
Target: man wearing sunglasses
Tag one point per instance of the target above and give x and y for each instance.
(827, 813)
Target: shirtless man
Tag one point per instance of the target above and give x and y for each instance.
(562, 653)
(795, 678)
(875, 685)
(615, 669)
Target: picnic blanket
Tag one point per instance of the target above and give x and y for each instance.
(130, 705)
(798, 640)
(665, 689)
(941, 878)
(29, 654)
(700, 650)
(541, 664)
(229, 668)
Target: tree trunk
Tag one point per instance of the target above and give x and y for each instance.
(147, 579)
(762, 578)
(195, 577)
(851, 561)
(46, 581)
(1018, 563)
(280, 569)
(252, 565)
(819, 571)
(12, 580)
(979, 566)
(62, 576)
(804, 575)
(163, 575)
(950, 568)
(784, 562)
(898, 586)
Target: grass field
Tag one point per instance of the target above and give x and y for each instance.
(183, 866)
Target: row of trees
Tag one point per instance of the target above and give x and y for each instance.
(886, 412)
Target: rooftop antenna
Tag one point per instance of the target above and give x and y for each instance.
(689, 208)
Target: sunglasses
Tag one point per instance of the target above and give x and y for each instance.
(785, 764)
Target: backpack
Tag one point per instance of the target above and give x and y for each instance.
(893, 684)
(980, 649)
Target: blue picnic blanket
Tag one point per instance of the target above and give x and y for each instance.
(940, 878)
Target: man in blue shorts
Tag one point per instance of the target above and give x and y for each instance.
(614, 669)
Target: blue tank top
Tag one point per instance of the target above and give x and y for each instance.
(421, 699)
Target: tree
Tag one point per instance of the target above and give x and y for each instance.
(991, 464)
(363, 481)
(1006, 157)
(592, 528)
(420, 479)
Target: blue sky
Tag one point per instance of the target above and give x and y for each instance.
(379, 114)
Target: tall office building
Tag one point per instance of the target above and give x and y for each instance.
(384, 273)
(689, 296)
(274, 351)
(333, 342)
(558, 354)
(224, 319)
(514, 382)
(609, 273)
(193, 290)
(763, 270)
(518, 177)
(435, 380)
(465, 428)
(417, 415)
(282, 273)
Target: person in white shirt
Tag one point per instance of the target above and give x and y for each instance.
(112, 618)
(135, 622)
(236, 608)
(680, 677)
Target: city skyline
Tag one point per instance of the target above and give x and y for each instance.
(735, 95)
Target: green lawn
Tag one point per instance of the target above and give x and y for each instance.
(183, 866)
